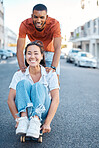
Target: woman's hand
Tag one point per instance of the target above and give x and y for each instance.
(45, 128)
(16, 124)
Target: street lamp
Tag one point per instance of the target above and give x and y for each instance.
(97, 3)
(82, 4)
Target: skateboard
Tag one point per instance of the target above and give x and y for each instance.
(24, 138)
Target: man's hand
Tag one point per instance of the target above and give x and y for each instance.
(48, 69)
(20, 55)
(23, 69)
(46, 128)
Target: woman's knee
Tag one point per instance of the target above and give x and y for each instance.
(23, 84)
(38, 86)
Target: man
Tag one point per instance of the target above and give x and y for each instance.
(44, 28)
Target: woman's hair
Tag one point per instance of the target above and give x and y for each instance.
(40, 45)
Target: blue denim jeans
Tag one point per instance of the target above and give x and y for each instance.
(33, 98)
(48, 60)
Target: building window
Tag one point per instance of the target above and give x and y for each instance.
(1, 28)
(98, 26)
(87, 47)
(93, 50)
(88, 24)
(94, 26)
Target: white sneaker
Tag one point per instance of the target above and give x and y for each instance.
(23, 125)
(34, 128)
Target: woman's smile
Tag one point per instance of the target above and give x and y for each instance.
(33, 55)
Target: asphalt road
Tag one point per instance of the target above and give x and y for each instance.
(76, 123)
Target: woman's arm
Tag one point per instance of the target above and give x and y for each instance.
(11, 103)
(52, 110)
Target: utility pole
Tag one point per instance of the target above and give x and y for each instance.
(82, 4)
(97, 2)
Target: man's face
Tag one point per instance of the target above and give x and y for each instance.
(39, 19)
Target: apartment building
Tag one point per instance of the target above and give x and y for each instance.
(7, 36)
(1, 25)
(86, 37)
(9, 39)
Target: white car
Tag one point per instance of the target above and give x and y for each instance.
(85, 59)
(5, 54)
(62, 56)
(72, 53)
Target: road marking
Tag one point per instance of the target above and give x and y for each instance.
(9, 62)
(13, 62)
(3, 62)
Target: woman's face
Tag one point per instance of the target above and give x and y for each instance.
(33, 55)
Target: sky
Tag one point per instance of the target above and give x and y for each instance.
(67, 12)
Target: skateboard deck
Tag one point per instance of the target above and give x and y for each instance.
(24, 138)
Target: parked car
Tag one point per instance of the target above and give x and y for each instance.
(63, 55)
(0, 56)
(72, 53)
(85, 59)
(4, 54)
(12, 52)
(65, 50)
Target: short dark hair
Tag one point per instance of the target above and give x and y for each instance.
(40, 45)
(40, 7)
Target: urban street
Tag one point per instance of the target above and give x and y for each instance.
(76, 123)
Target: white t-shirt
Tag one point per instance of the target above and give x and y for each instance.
(47, 79)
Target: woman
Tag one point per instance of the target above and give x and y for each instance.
(34, 95)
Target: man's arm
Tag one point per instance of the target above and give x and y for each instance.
(57, 52)
(20, 55)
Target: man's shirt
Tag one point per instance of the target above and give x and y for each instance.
(51, 30)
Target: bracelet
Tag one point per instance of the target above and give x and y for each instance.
(53, 67)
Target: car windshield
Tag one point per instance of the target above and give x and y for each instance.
(83, 55)
(86, 55)
(75, 51)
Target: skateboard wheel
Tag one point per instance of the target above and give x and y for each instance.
(22, 139)
(40, 140)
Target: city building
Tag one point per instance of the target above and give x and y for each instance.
(86, 37)
(9, 39)
(1, 25)
(7, 36)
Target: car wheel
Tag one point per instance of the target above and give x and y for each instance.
(75, 64)
(78, 64)
(4, 57)
(67, 60)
